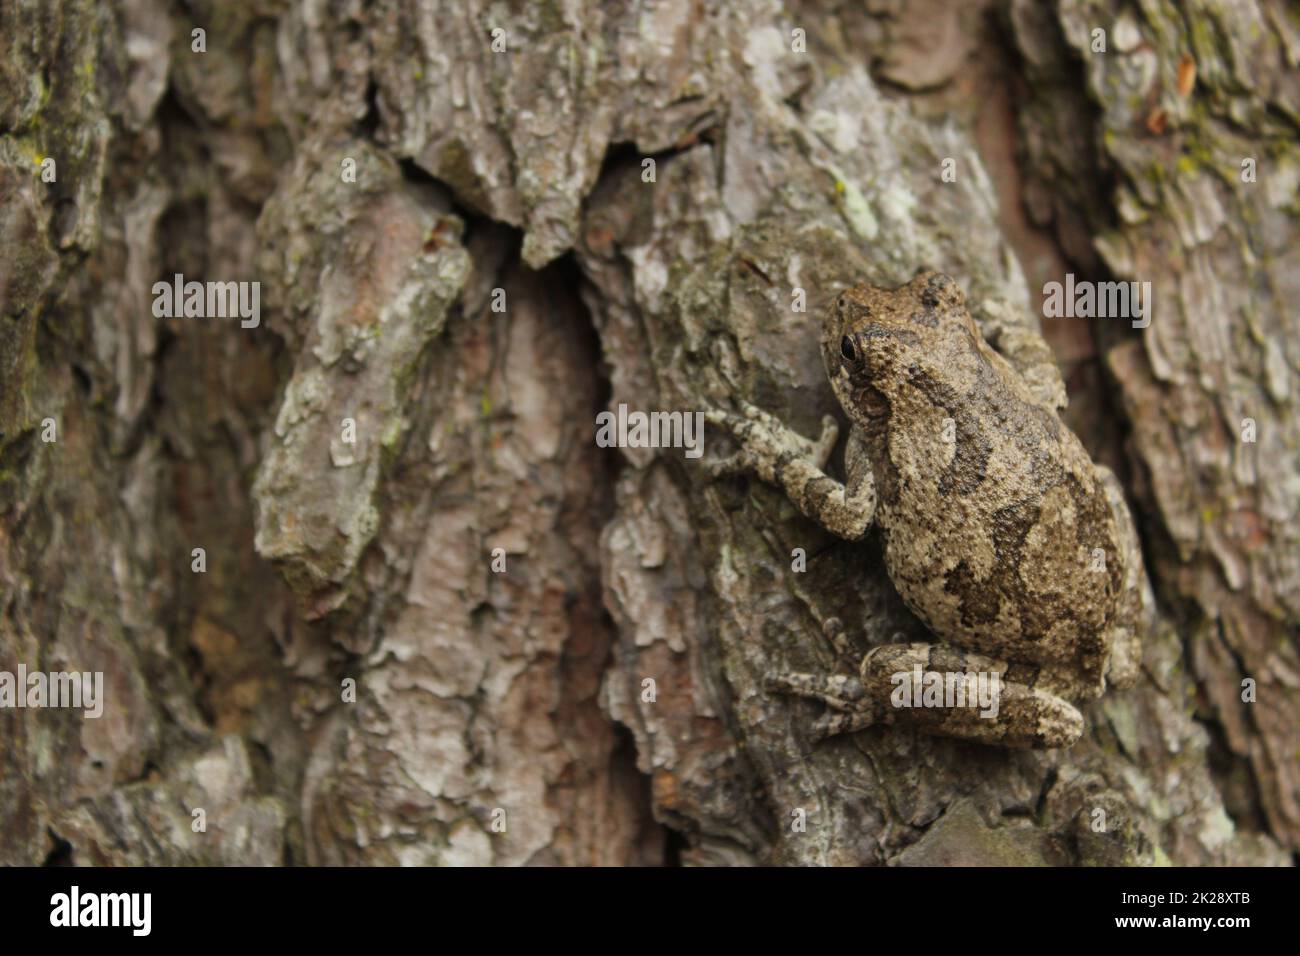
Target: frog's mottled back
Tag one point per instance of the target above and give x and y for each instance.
(998, 532)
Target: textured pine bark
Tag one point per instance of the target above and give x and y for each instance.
(505, 717)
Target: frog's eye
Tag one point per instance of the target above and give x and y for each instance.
(846, 348)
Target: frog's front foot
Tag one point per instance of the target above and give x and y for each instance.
(784, 458)
(765, 442)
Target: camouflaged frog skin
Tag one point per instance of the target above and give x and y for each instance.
(994, 519)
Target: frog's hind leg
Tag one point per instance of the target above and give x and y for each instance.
(848, 707)
(949, 692)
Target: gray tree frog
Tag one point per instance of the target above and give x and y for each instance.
(1000, 533)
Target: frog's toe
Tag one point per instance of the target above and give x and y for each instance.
(832, 724)
(837, 691)
(722, 419)
(820, 450)
(735, 464)
(834, 631)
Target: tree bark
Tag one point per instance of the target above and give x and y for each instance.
(471, 635)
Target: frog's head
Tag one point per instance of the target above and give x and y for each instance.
(875, 340)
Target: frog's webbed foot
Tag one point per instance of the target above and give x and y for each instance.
(831, 724)
(848, 707)
(837, 691)
(766, 429)
(784, 458)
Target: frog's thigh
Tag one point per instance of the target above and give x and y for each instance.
(966, 695)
